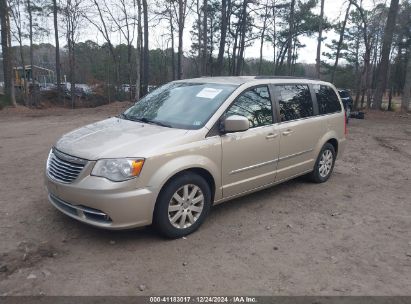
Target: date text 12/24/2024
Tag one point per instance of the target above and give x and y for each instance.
(203, 299)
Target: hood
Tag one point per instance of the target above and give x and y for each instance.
(116, 138)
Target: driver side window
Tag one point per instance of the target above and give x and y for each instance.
(255, 105)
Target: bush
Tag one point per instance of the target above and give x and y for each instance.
(4, 102)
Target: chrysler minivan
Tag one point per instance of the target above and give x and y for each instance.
(194, 143)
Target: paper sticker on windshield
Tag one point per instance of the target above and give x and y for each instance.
(209, 93)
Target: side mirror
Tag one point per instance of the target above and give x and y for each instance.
(235, 123)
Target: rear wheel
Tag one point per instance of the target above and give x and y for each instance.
(182, 205)
(324, 164)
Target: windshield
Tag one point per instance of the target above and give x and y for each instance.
(180, 104)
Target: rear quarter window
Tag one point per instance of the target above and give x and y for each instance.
(327, 99)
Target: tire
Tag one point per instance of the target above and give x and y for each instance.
(175, 214)
(322, 172)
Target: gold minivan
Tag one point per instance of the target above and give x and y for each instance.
(193, 143)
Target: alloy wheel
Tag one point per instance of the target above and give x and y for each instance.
(185, 206)
(326, 163)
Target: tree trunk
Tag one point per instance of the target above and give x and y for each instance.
(243, 30)
(105, 33)
(223, 35)
(320, 33)
(7, 54)
(234, 53)
(389, 108)
(130, 68)
(145, 51)
(365, 71)
(24, 85)
(129, 38)
(56, 39)
(180, 54)
(357, 70)
(406, 94)
(205, 44)
(281, 55)
(340, 41)
(385, 54)
(274, 41)
(376, 47)
(33, 97)
(290, 36)
(173, 61)
(181, 21)
(22, 80)
(366, 74)
(138, 51)
(72, 70)
(211, 50)
(199, 62)
(262, 38)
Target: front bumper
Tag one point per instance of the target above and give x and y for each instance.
(101, 203)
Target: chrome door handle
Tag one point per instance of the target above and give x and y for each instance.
(271, 136)
(288, 132)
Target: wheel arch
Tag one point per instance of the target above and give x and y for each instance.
(334, 142)
(198, 164)
(204, 173)
(330, 137)
(208, 177)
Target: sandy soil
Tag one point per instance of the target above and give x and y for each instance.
(349, 236)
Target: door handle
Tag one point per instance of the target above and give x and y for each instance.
(271, 135)
(288, 132)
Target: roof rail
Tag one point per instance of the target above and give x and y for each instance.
(282, 77)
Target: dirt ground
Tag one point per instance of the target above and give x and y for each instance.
(349, 236)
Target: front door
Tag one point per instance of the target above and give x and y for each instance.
(250, 158)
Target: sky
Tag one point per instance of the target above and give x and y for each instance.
(332, 11)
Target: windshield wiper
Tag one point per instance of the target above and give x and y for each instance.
(145, 120)
(155, 122)
(125, 116)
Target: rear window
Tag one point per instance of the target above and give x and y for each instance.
(295, 101)
(327, 99)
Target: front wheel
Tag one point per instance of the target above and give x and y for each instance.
(182, 205)
(324, 164)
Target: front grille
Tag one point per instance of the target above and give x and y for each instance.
(64, 168)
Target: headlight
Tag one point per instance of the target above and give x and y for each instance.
(118, 170)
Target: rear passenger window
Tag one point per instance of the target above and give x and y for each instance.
(327, 99)
(255, 104)
(295, 101)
